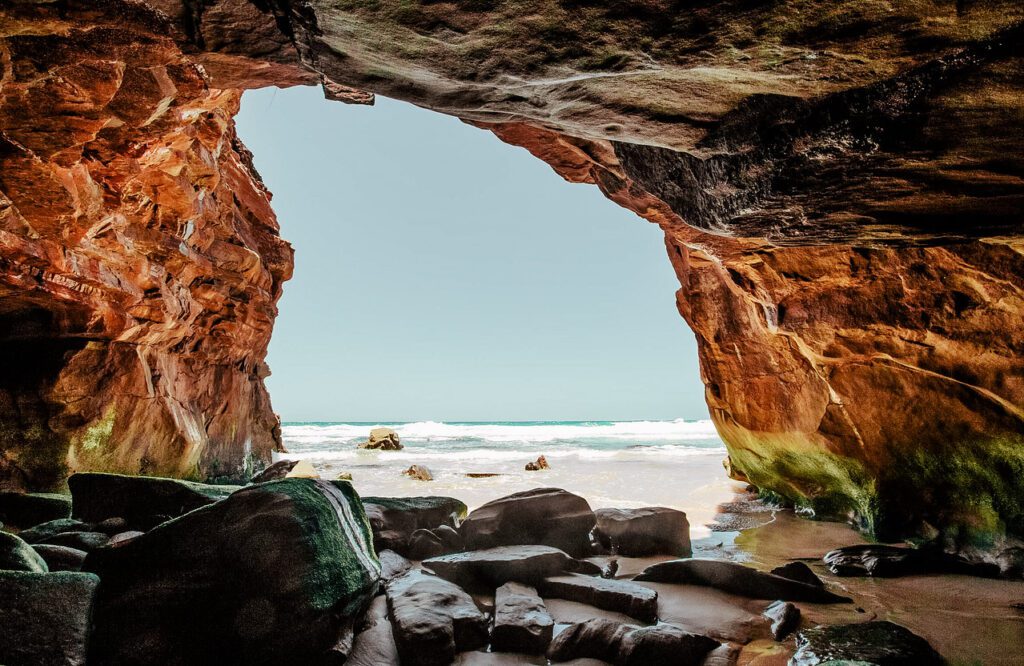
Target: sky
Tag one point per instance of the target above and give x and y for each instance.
(443, 275)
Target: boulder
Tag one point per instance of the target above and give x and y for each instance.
(278, 470)
(87, 541)
(484, 570)
(52, 528)
(270, 575)
(800, 572)
(521, 621)
(881, 643)
(16, 555)
(597, 638)
(537, 465)
(784, 618)
(382, 439)
(620, 596)
(642, 532)
(883, 561)
(392, 564)
(629, 645)
(28, 509)
(432, 619)
(124, 537)
(419, 473)
(545, 516)
(142, 501)
(61, 558)
(110, 526)
(424, 544)
(45, 617)
(394, 519)
(736, 579)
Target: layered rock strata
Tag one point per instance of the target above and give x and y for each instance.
(840, 189)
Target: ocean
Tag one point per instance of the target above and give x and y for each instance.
(611, 463)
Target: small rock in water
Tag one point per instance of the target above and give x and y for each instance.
(16, 555)
(736, 579)
(278, 470)
(344, 476)
(537, 465)
(521, 620)
(784, 618)
(610, 569)
(419, 472)
(883, 561)
(481, 475)
(867, 643)
(800, 572)
(382, 439)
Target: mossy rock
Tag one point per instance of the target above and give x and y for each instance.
(45, 617)
(270, 575)
(879, 643)
(28, 509)
(16, 555)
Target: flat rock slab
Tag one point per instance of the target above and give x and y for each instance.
(800, 572)
(45, 617)
(489, 568)
(737, 579)
(882, 643)
(544, 516)
(432, 619)
(620, 596)
(521, 621)
(644, 531)
(629, 645)
(28, 509)
(142, 501)
(709, 612)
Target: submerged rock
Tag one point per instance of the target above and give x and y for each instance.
(784, 618)
(489, 568)
(880, 643)
(60, 558)
(629, 645)
(884, 561)
(521, 621)
(736, 579)
(614, 595)
(267, 576)
(142, 501)
(28, 509)
(16, 555)
(394, 519)
(544, 516)
(537, 465)
(419, 472)
(45, 618)
(432, 619)
(799, 572)
(646, 531)
(382, 439)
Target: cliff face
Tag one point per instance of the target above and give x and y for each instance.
(840, 188)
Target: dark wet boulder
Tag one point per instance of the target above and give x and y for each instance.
(883, 561)
(111, 526)
(394, 519)
(486, 569)
(142, 501)
(424, 544)
(783, 617)
(268, 576)
(646, 531)
(620, 596)
(875, 643)
(392, 564)
(800, 572)
(545, 516)
(87, 541)
(629, 645)
(60, 558)
(28, 509)
(16, 555)
(44, 618)
(521, 621)
(736, 579)
(124, 537)
(432, 619)
(592, 639)
(51, 528)
(275, 472)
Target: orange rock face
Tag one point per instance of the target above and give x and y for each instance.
(841, 192)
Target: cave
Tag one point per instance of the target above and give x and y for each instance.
(840, 191)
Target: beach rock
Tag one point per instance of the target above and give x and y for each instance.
(382, 439)
(732, 472)
(784, 618)
(374, 644)
(614, 595)
(883, 561)
(110, 526)
(16, 555)
(419, 472)
(629, 645)
(28, 509)
(267, 576)
(644, 531)
(610, 569)
(432, 619)
(521, 621)
(881, 643)
(278, 470)
(537, 465)
(736, 579)
(545, 516)
(45, 618)
(124, 537)
(487, 569)
(392, 564)
(726, 654)
(53, 528)
(60, 558)
(142, 501)
(87, 541)
(424, 544)
(597, 638)
(344, 476)
(394, 519)
(799, 572)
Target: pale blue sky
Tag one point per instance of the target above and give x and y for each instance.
(441, 274)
